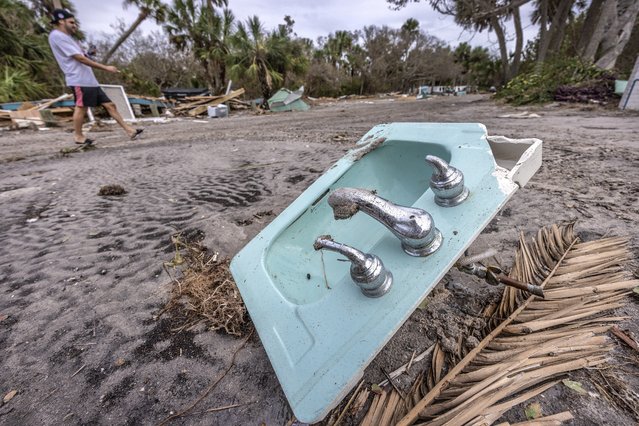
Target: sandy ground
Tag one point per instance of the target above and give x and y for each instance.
(81, 275)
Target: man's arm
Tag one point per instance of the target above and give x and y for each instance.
(86, 61)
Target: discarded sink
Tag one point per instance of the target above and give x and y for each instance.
(319, 330)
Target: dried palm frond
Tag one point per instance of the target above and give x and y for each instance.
(531, 341)
(205, 292)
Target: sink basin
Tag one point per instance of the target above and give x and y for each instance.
(317, 327)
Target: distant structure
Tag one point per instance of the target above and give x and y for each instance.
(630, 98)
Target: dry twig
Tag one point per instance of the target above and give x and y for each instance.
(205, 292)
(210, 388)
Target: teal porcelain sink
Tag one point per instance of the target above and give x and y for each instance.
(319, 330)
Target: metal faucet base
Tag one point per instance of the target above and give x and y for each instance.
(452, 202)
(382, 289)
(427, 249)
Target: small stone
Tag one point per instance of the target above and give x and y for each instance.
(8, 397)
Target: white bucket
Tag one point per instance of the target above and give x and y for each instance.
(219, 111)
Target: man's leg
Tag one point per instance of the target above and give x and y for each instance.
(113, 112)
(78, 121)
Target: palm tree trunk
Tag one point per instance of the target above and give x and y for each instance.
(144, 13)
(542, 50)
(264, 85)
(558, 28)
(590, 28)
(503, 49)
(519, 43)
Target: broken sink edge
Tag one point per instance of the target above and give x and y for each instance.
(319, 330)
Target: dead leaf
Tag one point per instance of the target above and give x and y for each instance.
(576, 386)
(533, 411)
(636, 290)
(120, 362)
(8, 397)
(3, 317)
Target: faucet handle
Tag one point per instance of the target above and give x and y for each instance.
(447, 183)
(367, 270)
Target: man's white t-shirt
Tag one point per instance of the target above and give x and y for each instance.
(75, 72)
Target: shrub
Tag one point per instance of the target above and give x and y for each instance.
(539, 85)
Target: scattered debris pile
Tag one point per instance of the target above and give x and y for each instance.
(193, 106)
(205, 291)
(41, 113)
(598, 90)
(59, 111)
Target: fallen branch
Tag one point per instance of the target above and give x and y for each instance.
(404, 368)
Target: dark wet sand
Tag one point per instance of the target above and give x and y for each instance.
(81, 275)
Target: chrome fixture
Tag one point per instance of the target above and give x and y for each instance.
(414, 227)
(494, 275)
(446, 182)
(367, 270)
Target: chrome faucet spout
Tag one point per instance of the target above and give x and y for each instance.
(367, 270)
(355, 256)
(414, 227)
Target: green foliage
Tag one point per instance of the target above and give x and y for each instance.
(479, 68)
(263, 60)
(203, 45)
(26, 61)
(200, 28)
(138, 85)
(539, 85)
(17, 85)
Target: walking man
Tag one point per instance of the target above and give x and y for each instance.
(76, 66)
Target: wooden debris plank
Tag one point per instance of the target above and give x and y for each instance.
(199, 98)
(202, 108)
(48, 103)
(37, 117)
(190, 105)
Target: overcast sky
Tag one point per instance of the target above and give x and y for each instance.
(312, 18)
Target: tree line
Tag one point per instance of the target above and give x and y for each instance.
(203, 44)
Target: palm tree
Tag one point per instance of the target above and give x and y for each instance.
(148, 8)
(198, 27)
(336, 47)
(255, 54)
(26, 57)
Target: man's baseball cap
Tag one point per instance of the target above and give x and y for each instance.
(60, 14)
